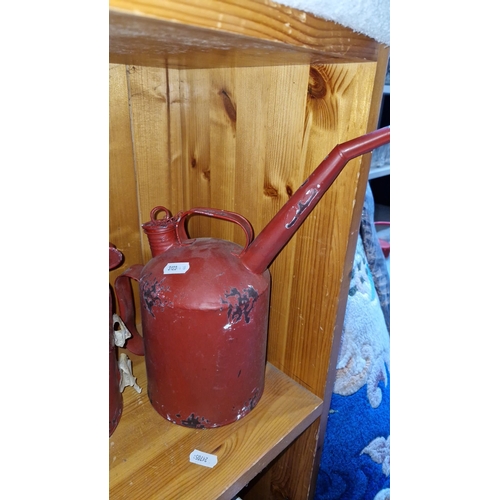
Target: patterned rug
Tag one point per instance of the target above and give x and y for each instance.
(355, 463)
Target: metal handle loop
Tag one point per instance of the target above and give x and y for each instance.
(180, 226)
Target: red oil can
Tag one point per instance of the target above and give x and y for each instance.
(205, 303)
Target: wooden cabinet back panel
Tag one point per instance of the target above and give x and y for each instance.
(244, 139)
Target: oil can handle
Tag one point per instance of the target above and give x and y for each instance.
(115, 257)
(180, 226)
(126, 309)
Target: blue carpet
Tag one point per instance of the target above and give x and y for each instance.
(355, 461)
(346, 472)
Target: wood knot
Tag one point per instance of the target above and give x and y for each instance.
(317, 87)
(228, 105)
(206, 174)
(270, 191)
(289, 191)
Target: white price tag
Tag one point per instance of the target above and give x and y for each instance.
(202, 458)
(176, 268)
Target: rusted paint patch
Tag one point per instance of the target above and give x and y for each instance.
(154, 294)
(240, 304)
(195, 422)
(301, 206)
(250, 404)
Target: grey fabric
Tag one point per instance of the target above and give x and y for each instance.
(374, 254)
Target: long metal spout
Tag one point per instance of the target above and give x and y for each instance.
(272, 239)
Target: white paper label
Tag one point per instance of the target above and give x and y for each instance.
(176, 268)
(202, 458)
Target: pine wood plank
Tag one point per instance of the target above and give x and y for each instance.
(212, 33)
(149, 456)
(234, 126)
(122, 180)
(149, 118)
(306, 321)
(280, 479)
(336, 110)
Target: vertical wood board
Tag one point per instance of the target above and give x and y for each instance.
(123, 202)
(149, 118)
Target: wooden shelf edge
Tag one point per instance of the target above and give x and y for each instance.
(150, 456)
(228, 33)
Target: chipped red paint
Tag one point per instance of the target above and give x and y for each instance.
(205, 341)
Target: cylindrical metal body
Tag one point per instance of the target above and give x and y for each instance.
(205, 333)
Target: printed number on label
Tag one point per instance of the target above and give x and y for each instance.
(202, 458)
(176, 268)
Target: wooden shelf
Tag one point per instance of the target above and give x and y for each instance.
(224, 33)
(231, 104)
(149, 456)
